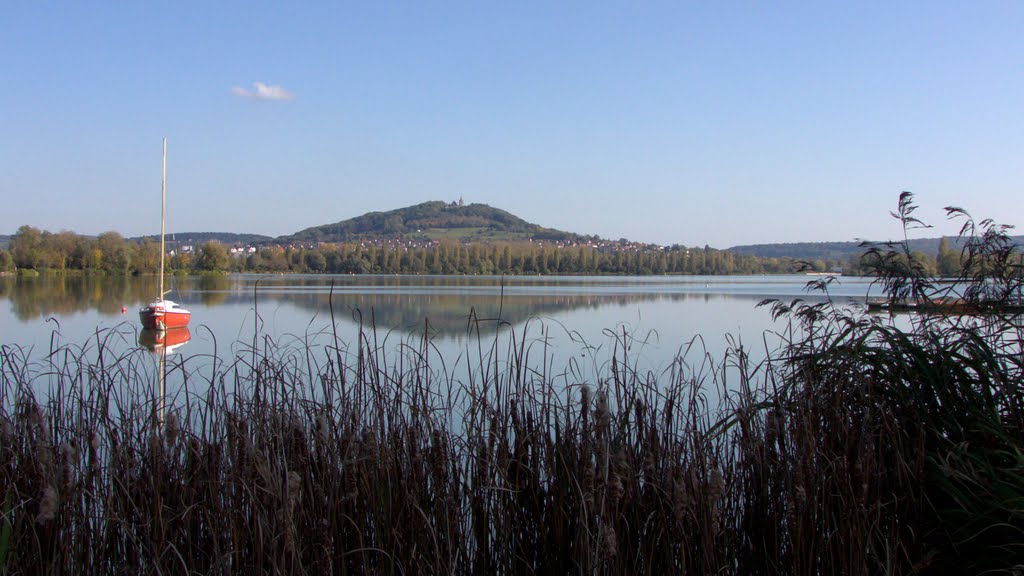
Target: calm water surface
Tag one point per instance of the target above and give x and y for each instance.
(579, 317)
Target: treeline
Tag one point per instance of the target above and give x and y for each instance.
(110, 253)
(505, 258)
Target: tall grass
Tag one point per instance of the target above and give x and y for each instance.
(856, 448)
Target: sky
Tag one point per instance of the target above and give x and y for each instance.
(681, 122)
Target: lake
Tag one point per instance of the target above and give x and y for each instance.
(570, 317)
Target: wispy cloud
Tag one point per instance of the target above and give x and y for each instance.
(261, 91)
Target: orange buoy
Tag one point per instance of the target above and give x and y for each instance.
(123, 309)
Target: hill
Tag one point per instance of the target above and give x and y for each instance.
(432, 221)
(227, 238)
(837, 250)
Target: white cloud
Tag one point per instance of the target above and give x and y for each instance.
(261, 91)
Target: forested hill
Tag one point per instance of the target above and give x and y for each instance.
(432, 221)
(837, 250)
(196, 238)
(5, 241)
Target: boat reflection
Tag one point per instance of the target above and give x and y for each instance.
(164, 341)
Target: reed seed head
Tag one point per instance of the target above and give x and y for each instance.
(48, 505)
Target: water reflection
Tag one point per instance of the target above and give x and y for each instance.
(46, 296)
(450, 314)
(400, 303)
(165, 342)
(214, 289)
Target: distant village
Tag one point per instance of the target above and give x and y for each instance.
(404, 244)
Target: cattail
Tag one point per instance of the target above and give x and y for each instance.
(43, 424)
(171, 428)
(154, 440)
(610, 542)
(650, 466)
(294, 490)
(601, 414)
(69, 450)
(94, 452)
(439, 455)
(492, 434)
(69, 456)
(48, 505)
(772, 427)
(716, 486)
(349, 475)
(30, 412)
(681, 499)
(716, 489)
(285, 520)
(44, 457)
(368, 444)
(588, 482)
(616, 472)
(615, 488)
(322, 428)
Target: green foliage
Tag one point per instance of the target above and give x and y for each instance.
(26, 248)
(115, 255)
(6, 261)
(315, 261)
(451, 257)
(948, 260)
(212, 257)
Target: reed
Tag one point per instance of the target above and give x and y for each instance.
(857, 447)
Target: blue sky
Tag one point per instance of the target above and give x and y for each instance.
(680, 122)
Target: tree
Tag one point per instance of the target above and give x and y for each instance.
(273, 259)
(393, 225)
(114, 255)
(6, 261)
(948, 260)
(315, 261)
(26, 247)
(213, 256)
(924, 262)
(146, 257)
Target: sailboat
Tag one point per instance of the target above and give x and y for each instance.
(162, 314)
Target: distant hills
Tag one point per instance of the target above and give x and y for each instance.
(837, 250)
(432, 221)
(200, 237)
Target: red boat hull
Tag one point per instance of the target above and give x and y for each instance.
(159, 318)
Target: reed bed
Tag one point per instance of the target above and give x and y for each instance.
(857, 447)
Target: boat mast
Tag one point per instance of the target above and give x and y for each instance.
(163, 191)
